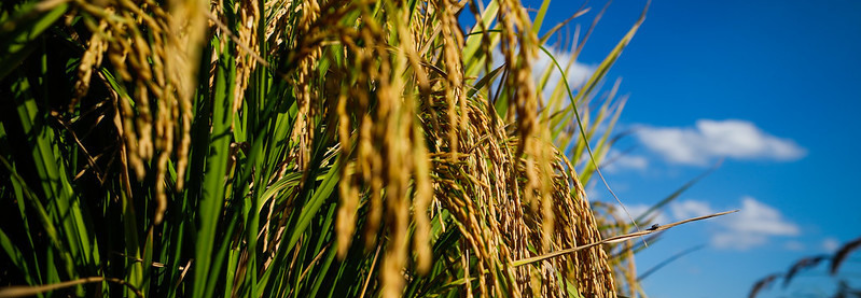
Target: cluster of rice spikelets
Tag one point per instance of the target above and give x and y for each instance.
(506, 192)
(412, 142)
(159, 71)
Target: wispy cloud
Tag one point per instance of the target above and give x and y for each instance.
(794, 245)
(618, 161)
(690, 208)
(592, 191)
(578, 73)
(753, 226)
(738, 241)
(830, 244)
(758, 217)
(639, 209)
(711, 139)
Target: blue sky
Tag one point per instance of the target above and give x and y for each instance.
(773, 86)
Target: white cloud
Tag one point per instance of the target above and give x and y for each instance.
(753, 226)
(617, 161)
(739, 241)
(639, 209)
(690, 208)
(592, 191)
(578, 73)
(830, 244)
(711, 139)
(757, 217)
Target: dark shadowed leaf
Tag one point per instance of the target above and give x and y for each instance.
(842, 253)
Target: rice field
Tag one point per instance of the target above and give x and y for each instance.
(284, 148)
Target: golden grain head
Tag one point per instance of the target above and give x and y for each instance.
(410, 136)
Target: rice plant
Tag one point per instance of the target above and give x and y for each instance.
(836, 260)
(284, 148)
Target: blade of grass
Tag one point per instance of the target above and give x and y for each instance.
(668, 261)
(24, 291)
(26, 25)
(212, 196)
(678, 192)
(614, 239)
(600, 72)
